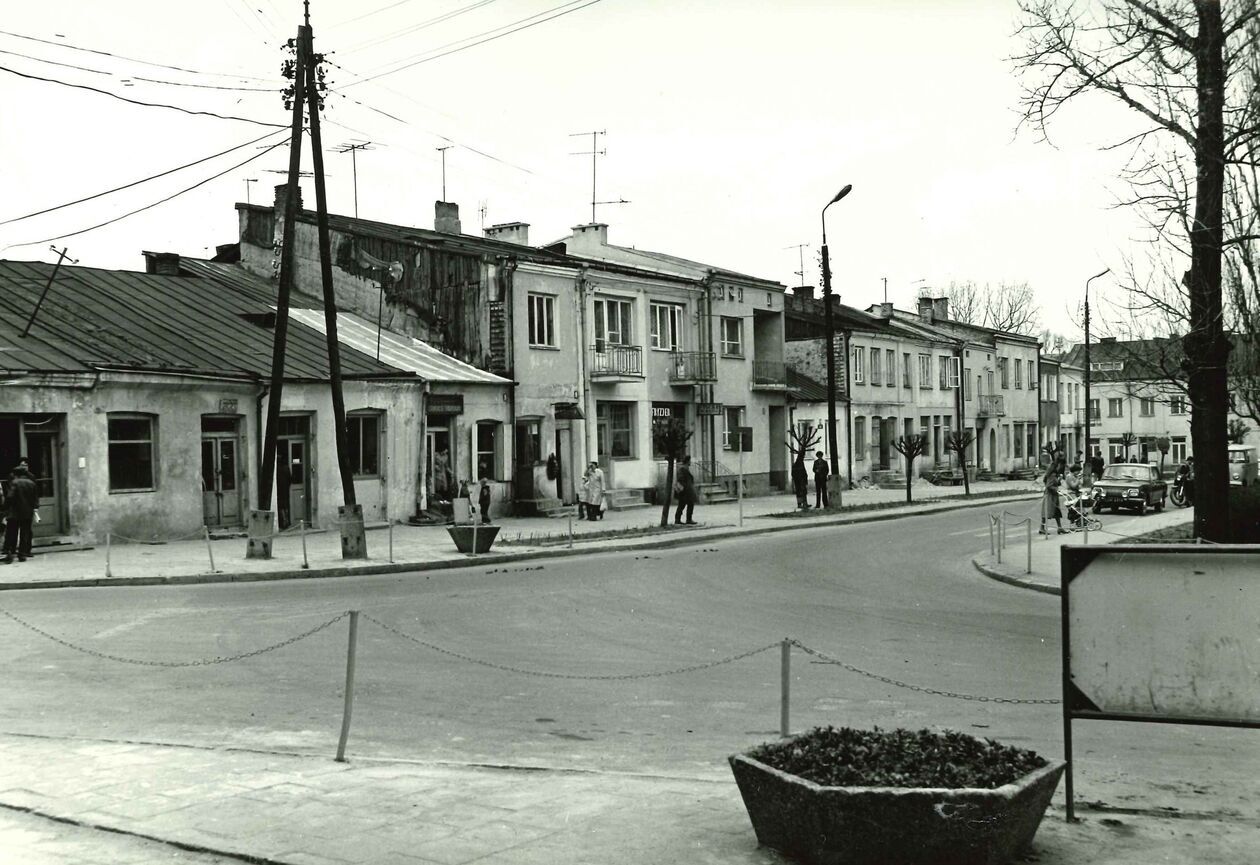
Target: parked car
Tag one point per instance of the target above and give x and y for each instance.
(1242, 465)
(1134, 486)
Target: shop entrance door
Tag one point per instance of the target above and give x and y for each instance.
(42, 449)
(220, 479)
(293, 471)
(439, 479)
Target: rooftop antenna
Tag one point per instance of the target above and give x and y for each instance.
(482, 209)
(353, 149)
(61, 256)
(248, 181)
(800, 248)
(443, 150)
(594, 153)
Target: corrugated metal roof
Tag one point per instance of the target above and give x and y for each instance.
(401, 352)
(130, 320)
(805, 389)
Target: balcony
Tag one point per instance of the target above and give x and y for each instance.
(1080, 417)
(613, 363)
(692, 367)
(769, 375)
(991, 405)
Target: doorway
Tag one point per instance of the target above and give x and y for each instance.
(220, 471)
(438, 461)
(37, 437)
(992, 449)
(293, 470)
(778, 447)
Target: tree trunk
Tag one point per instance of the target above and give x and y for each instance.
(909, 476)
(1206, 348)
(669, 492)
(966, 479)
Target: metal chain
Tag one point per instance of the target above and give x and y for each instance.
(951, 694)
(158, 541)
(547, 675)
(201, 662)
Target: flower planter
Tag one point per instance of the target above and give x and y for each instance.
(884, 825)
(463, 537)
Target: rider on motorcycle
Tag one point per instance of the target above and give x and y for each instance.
(1185, 479)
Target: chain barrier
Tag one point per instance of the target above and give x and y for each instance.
(201, 662)
(548, 675)
(158, 541)
(919, 688)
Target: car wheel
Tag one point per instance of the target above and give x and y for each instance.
(1141, 508)
(1159, 506)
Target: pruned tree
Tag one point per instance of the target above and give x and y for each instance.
(1238, 430)
(1127, 440)
(1174, 68)
(1163, 443)
(669, 437)
(910, 447)
(958, 442)
(801, 442)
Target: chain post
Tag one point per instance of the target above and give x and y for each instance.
(306, 565)
(108, 548)
(785, 687)
(209, 551)
(1028, 526)
(391, 538)
(349, 702)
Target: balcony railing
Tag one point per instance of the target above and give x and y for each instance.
(991, 405)
(769, 374)
(689, 367)
(616, 361)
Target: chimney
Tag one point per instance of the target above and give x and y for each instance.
(886, 309)
(446, 217)
(282, 195)
(510, 232)
(588, 238)
(162, 263)
(940, 309)
(926, 309)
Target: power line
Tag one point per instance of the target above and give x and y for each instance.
(369, 14)
(156, 203)
(422, 25)
(139, 102)
(135, 182)
(128, 78)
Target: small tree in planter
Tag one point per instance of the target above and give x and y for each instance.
(910, 447)
(670, 437)
(957, 442)
(870, 797)
(1163, 444)
(1127, 440)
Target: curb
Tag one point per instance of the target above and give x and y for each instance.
(1011, 578)
(493, 559)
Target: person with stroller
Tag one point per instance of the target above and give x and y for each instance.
(1050, 498)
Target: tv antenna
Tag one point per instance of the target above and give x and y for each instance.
(594, 153)
(248, 181)
(442, 150)
(353, 148)
(800, 248)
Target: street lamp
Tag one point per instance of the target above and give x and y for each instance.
(832, 446)
(1087, 467)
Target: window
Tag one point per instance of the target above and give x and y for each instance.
(1148, 407)
(1177, 405)
(734, 415)
(1004, 372)
(1032, 440)
(542, 320)
(905, 370)
(732, 336)
(1179, 449)
(132, 457)
(859, 364)
(1018, 433)
(1115, 407)
(943, 369)
(953, 372)
(1094, 411)
(1019, 374)
(1107, 366)
(1059, 395)
(876, 377)
(925, 372)
(666, 326)
(663, 412)
(612, 322)
(363, 440)
(1032, 376)
(859, 438)
(487, 449)
(1116, 451)
(967, 384)
(925, 430)
(615, 428)
(890, 367)
(529, 450)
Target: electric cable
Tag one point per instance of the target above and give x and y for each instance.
(136, 182)
(414, 28)
(275, 89)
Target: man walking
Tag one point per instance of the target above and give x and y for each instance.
(821, 471)
(686, 483)
(800, 481)
(21, 504)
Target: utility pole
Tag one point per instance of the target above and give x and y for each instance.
(353, 540)
(835, 495)
(353, 150)
(260, 521)
(1087, 467)
(442, 150)
(43, 294)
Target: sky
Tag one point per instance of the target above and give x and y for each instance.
(729, 125)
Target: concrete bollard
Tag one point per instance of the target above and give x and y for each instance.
(108, 547)
(306, 565)
(349, 695)
(353, 536)
(209, 549)
(259, 527)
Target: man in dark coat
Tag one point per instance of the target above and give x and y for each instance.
(821, 470)
(800, 481)
(686, 492)
(20, 505)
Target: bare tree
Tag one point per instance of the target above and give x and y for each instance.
(1007, 306)
(1168, 63)
(910, 447)
(958, 442)
(670, 436)
(965, 302)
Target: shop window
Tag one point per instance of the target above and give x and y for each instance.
(616, 429)
(488, 450)
(363, 440)
(734, 420)
(132, 452)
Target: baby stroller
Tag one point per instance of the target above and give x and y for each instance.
(1078, 511)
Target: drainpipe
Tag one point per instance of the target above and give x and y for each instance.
(590, 425)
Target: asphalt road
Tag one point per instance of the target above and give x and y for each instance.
(896, 598)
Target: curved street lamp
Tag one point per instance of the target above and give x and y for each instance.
(1086, 467)
(832, 447)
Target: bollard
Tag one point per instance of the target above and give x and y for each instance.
(785, 687)
(992, 542)
(1001, 538)
(108, 537)
(1029, 528)
(306, 565)
(209, 551)
(1086, 523)
(349, 704)
(570, 531)
(474, 543)
(391, 542)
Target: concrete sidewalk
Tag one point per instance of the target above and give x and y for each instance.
(430, 547)
(1044, 577)
(285, 809)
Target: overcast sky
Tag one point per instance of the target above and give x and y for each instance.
(730, 123)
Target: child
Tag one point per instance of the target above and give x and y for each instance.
(483, 501)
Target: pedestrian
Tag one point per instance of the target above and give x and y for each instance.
(1096, 466)
(20, 506)
(1050, 499)
(800, 481)
(821, 471)
(483, 501)
(583, 488)
(595, 493)
(685, 482)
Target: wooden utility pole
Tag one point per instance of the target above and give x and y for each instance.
(61, 256)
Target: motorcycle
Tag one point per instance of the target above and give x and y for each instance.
(1181, 493)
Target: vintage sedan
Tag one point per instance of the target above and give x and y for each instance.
(1134, 486)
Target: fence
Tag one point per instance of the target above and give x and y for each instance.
(998, 525)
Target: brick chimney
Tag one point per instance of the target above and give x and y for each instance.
(886, 309)
(282, 195)
(162, 263)
(926, 305)
(940, 309)
(510, 232)
(446, 217)
(588, 238)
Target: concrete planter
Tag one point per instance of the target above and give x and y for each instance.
(882, 825)
(463, 538)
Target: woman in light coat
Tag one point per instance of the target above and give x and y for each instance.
(595, 492)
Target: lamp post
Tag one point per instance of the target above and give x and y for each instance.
(833, 492)
(1088, 469)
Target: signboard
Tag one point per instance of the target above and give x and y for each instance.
(709, 409)
(446, 403)
(840, 352)
(227, 406)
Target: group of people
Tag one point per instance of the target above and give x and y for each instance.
(800, 481)
(591, 493)
(19, 498)
(1059, 478)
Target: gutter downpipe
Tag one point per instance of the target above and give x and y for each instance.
(709, 391)
(590, 424)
